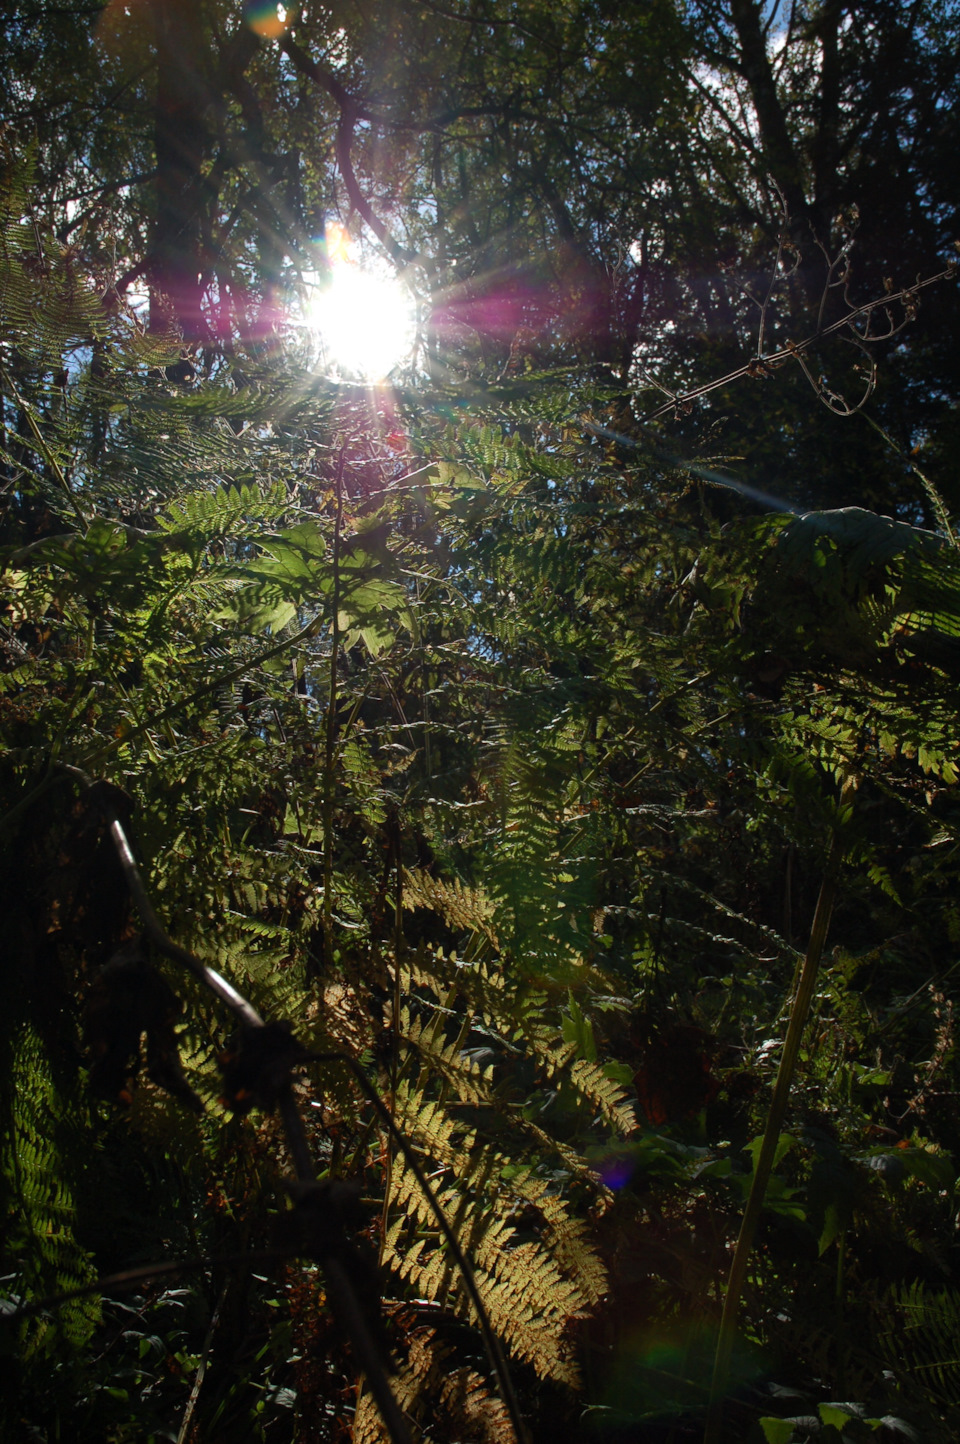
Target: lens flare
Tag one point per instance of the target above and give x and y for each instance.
(268, 20)
(363, 318)
(616, 1170)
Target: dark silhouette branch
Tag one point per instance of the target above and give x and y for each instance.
(340, 1285)
(109, 1284)
(343, 1296)
(350, 113)
(108, 188)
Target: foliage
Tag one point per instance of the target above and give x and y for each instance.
(230, 582)
(473, 728)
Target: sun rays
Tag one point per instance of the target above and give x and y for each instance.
(364, 318)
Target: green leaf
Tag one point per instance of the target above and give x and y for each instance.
(896, 1425)
(777, 1431)
(578, 1030)
(307, 537)
(833, 1226)
(785, 1142)
(936, 1170)
(452, 474)
(839, 1415)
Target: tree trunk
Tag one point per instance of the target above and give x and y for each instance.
(182, 143)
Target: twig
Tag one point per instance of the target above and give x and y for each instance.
(339, 1285)
(775, 276)
(131, 1278)
(331, 727)
(201, 1369)
(225, 991)
(350, 113)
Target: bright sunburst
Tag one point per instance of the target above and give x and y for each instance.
(365, 320)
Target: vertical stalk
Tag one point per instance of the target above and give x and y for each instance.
(841, 1329)
(395, 1032)
(397, 991)
(184, 1433)
(788, 896)
(329, 756)
(424, 688)
(771, 1134)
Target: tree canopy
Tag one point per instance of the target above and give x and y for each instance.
(553, 739)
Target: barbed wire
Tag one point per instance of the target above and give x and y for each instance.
(761, 365)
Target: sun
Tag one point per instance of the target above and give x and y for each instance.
(364, 319)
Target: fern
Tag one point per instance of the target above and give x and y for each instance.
(461, 1405)
(40, 1243)
(46, 305)
(462, 908)
(534, 1287)
(919, 1339)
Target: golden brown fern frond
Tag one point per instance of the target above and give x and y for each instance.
(463, 908)
(445, 1403)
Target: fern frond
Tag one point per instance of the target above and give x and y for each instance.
(608, 1097)
(40, 1236)
(462, 908)
(447, 1403)
(473, 1083)
(534, 1288)
(922, 1342)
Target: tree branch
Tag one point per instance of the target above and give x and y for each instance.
(350, 113)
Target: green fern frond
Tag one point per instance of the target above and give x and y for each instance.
(472, 1083)
(607, 1096)
(552, 1050)
(533, 1288)
(567, 1238)
(226, 511)
(922, 1341)
(40, 1237)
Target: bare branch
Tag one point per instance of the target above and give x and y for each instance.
(340, 1286)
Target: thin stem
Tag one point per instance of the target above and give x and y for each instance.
(841, 1329)
(107, 1284)
(43, 448)
(346, 1306)
(331, 730)
(793, 348)
(933, 495)
(394, 1031)
(771, 1134)
(184, 1433)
